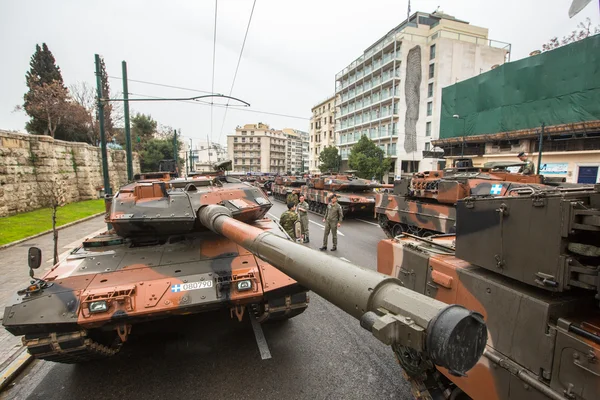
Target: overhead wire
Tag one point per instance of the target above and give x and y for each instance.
(237, 67)
(213, 68)
(163, 85)
(204, 103)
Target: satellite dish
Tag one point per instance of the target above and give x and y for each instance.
(576, 6)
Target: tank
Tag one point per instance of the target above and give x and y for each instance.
(529, 262)
(424, 204)
(285, 185)
(189, 247)
(355, 195)
(157, 261)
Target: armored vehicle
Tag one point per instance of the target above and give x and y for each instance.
(173, 250)
(529, 262)
(285, 185)
(167, 169)
(355, 195)
(424, 204)
(157, 260)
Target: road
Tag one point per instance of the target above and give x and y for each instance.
(321, 354)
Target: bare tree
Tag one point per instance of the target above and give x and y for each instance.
(48, 102)
(52, 194)
(584, 29)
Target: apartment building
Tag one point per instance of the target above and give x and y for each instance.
(294, 161)
(322, 131)
(392, 92)
(257, 148)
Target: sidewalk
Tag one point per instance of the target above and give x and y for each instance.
(15, 274)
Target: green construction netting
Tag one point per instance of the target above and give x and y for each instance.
(557, 87)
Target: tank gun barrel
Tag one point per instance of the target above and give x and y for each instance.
(451, 336)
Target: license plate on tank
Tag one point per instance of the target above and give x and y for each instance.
(181, 287)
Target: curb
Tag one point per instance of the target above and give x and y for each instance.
(21, 359)
(5, 246)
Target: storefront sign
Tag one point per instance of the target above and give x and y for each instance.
(554, 169)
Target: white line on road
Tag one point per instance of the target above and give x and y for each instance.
(323, 227)
(344, 259)
(367, 222)
(274, 217)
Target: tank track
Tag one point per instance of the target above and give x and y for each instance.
(68, 348)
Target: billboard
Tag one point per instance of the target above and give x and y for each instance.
(554, 168)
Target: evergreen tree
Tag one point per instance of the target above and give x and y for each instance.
(42, 70)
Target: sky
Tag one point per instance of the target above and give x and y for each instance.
(291, 56)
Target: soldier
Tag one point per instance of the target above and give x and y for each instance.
(528, 168)
(333, 220)
(288, 219)
(292, 198)
(302, 210)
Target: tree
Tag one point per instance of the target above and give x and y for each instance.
(584, 29)
(155, 150)
(367, 159)
(49, 103)
(52, 194)
(143, 129)
(42, 70)
(329, 159)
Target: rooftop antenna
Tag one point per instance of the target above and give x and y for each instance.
(437, 9)
(408, 12)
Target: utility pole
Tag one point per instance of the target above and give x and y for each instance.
(191, 157)
(127, 126)
(540, 147)
(208, 141)
(175, 155)
(107, 189)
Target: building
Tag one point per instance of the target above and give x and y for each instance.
(305, 153)
(203, 155)
(294, 162)
(547, 100)
(257, 148)
(322, 131)
(392, 92)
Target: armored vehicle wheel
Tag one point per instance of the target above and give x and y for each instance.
(397, 230)
(427, 234)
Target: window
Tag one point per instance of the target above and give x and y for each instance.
(235, 140)
(431, 70)
(331, 119)
(252, 132)
(430, 90)
(427, 146)
(329, 106)
(432, 52)
(428, 129)
(429, 108)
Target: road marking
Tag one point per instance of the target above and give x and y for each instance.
(323, 227)
(344, 259)
(261, 342)
(274, 217)
(367, 222)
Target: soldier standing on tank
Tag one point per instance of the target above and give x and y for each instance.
(528, 168)
(288, 219)
(333, 220)
(302, 210)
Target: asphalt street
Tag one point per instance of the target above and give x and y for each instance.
(321, 354)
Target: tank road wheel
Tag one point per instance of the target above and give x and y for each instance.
(397, 230)
(426, 234)
(384, 223)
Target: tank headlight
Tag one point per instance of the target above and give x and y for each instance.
(244, 285)
(98, 307)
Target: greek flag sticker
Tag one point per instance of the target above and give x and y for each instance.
(496, 189)
(175, 288)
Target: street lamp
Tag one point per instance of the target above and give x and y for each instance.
(462, 150)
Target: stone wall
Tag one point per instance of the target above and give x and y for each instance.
(28, 162)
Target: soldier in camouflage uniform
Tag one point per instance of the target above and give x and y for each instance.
(302, 210)
(288, 219)
(292, 198)
(528, 168)
(333, 220)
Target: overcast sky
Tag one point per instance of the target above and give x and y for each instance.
(293, 51)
